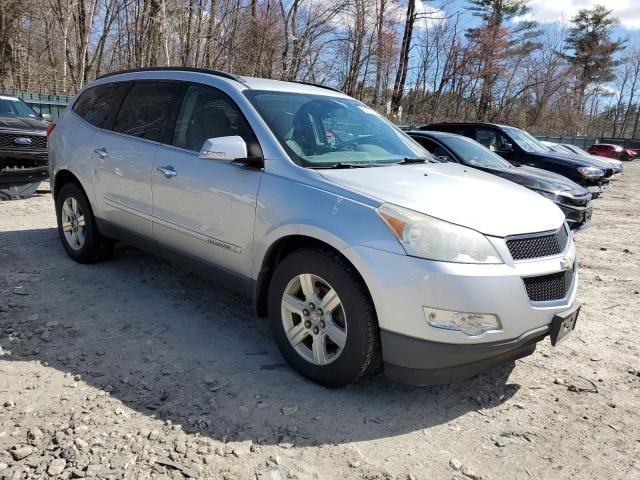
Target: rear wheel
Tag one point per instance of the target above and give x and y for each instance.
(16, 192)
(77, 227)
(323, 319)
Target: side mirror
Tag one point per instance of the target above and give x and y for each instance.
(46, 117)
(505, 148)
(227, 149)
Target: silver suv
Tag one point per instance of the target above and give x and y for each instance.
(358, 246)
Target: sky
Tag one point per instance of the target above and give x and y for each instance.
(549, 11)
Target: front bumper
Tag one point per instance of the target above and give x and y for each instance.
(598, 189)
(17, 168)
(421, 362)
(401, 286)
(577, 217)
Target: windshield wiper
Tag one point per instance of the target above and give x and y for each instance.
(341, 165)
(408, 160)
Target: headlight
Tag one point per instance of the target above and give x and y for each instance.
(590, 172)
(427, 237)
(550, 195)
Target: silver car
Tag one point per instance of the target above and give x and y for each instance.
(360, 248)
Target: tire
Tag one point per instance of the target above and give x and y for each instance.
(625, 157)
(353, 318)
(16, 192)
(87, 245)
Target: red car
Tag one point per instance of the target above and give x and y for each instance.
(610, 150)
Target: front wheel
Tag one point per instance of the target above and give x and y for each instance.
(77, 227)
(323, 319)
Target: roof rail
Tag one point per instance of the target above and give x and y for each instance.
(316, 85)
(217, 73)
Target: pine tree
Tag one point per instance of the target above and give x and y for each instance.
(495, 39)
(593, 49)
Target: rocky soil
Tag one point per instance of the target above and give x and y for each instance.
(135, 369)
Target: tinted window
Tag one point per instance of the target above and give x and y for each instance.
(490, 138)
(434, 149)
(96, 104)
(208, 113)
(146, 108)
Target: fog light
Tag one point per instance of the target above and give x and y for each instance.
(468, 323)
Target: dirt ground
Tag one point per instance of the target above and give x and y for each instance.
(135, 369)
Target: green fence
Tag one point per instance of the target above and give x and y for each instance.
(54, 105)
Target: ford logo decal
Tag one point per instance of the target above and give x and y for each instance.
(22, 141)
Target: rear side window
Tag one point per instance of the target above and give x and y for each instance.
(96, 104)
(146, 109)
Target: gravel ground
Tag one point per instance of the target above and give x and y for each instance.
(136, 369)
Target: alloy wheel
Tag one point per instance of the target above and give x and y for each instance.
(73, 223)
(314, 319)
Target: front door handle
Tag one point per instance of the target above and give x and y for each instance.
(102, 152)
(167, 171)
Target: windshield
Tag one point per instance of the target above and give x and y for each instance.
(323, 131)
(14, 107)
(525, 141)
(473, 154)
(577, 150)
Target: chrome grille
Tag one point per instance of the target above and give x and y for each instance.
(536, 246)
(546, 288)
(38, 142)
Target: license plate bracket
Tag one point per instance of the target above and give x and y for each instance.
(563, 324)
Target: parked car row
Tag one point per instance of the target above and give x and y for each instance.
(573, 199)
(360, 247)
(565, 174)
(565, 148)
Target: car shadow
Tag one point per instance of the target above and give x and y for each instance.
(170, 344)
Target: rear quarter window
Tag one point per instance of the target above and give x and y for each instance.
(97, 104)
(146, 109)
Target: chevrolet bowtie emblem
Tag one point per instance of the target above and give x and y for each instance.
(566, 264)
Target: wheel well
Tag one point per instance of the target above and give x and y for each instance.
(279, 251)
(62, 178)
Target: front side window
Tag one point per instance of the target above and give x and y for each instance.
(526, 141)
(473, 153)
(146, 109)
(208, 113)
(323, 131)
(14, 107)
(96, 104)
(490, 138)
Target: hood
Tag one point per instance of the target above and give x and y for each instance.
(539, 179)
(575, 160)
(31, 125)
(456, 194)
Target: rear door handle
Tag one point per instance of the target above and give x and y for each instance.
(102, 152)
(167, 171)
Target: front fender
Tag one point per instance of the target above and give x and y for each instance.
(287, 207)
